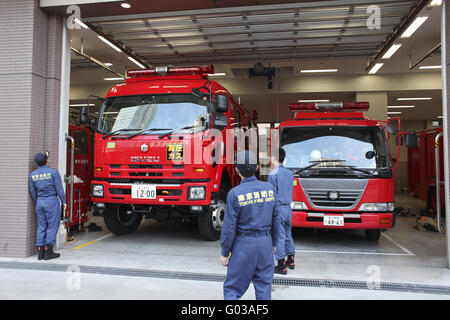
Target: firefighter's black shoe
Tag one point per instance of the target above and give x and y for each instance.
(49, 254)
(41, 252)
(290, 262)
(281, 267)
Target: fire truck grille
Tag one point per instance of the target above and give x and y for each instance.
(346, 199)
(333, 193)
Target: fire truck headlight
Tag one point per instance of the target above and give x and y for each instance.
(196, 193)
(97, 190)
(298, 205)
(377, 207)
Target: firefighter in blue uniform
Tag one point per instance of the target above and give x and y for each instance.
(250, 230)
(282, 180)
(47, 191)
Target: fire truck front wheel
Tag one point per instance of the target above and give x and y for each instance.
(373, 234)
(119, 221)
(210, 221)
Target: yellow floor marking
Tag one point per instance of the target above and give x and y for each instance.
(91, 242)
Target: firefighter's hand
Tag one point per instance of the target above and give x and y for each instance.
(224, 261)
(65, 207)
(274, 250)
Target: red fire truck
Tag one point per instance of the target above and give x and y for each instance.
(343, 172)
(157, 152)
(422, 167)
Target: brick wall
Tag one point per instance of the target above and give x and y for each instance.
(30, 51)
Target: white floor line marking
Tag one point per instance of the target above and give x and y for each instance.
(398, 245)
(356, 252)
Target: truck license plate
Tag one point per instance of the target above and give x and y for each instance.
(143, 191)
(336, 221)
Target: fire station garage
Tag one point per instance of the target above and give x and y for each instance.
(356, 93)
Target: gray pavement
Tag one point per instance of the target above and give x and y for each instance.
(403, 255)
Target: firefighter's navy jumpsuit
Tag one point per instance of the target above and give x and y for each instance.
(250, 229)
(282, 180)
(47, 191)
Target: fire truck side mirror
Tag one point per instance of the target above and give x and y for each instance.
(411, 140)
(84, 115)
(220, 121)
(221, 103)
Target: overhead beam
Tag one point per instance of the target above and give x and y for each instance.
(123, 48)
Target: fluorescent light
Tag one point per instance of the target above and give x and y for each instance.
(113, 79)
(375, 68)
(81, 23)
(125, 5)
(440, 117)
(136, 62)
(391, 107)
(317, 100)
(394, 112)
(216, 74)
(81, 105)
(435, 3)
(108, 64)
(430, 67)
(319, 70)
(391, 51)
(413, 27)
(109, 43)
(414, 99)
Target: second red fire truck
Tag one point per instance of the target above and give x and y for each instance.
(343, 171)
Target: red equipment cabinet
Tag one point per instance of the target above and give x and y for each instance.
(343, 174)
(157, 153)
(422, 168)
(83, 171)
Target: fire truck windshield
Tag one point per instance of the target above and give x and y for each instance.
(153, 114)
(352, 147)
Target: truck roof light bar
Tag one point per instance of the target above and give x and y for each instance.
(159, 71)
(329, 106)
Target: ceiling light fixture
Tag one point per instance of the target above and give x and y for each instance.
(430, 67)
(108, 64)
(136, 62)
(125, 5)
(391, 51)
(81, 23)
(414, 99)
(216, 74)
(375, 68)
(316, 100)
(113, 79)
(435, 3)
(394, 112)
(413, 27)
(110, 44)
(392, 107)
(318, 70)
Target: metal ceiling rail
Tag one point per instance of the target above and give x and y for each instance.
(404, 25)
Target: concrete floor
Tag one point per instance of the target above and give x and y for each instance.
(402, 255)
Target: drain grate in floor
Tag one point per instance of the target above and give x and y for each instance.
(176, 275)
